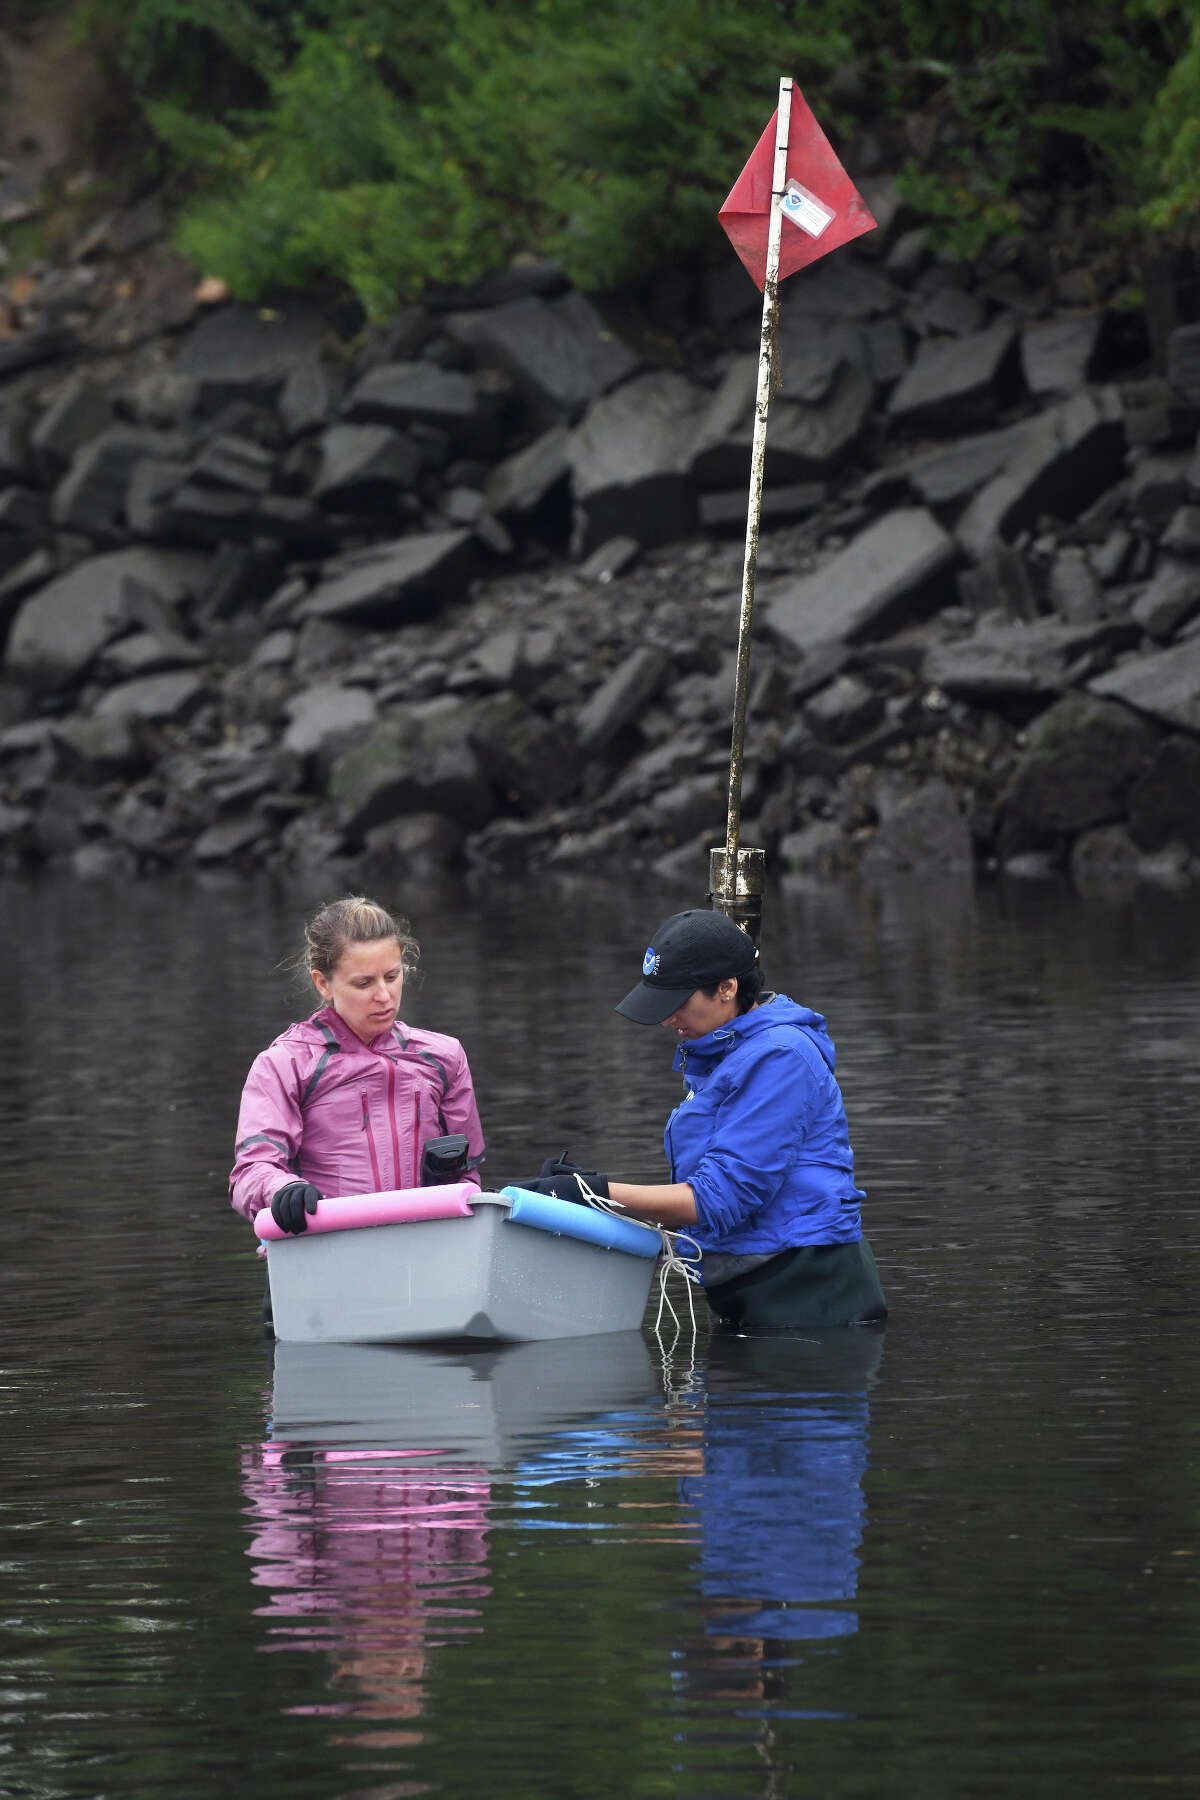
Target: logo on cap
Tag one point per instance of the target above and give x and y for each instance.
(651, 962)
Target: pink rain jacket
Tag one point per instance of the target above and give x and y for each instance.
(319, 1105)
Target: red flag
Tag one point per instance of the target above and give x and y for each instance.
(822, 208)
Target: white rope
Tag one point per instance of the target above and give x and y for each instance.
(671, 1258)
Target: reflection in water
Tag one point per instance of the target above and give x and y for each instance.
(378, 1494)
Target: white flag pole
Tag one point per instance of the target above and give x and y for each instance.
(736, 875)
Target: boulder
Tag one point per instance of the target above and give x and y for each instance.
(230, 461)
(247, 352)
(530, 761)
(629, 464)
(843, 710)
(325, 715)
(1011, 659)
(154, 698)
(1061, 465)
(90, 498)
(419, 393)
(79, 413)
(419, 758)
(621, 698)
(1183, 361)
(950, 474)
(363, 468)
(924, 831)
(958, 382)
(60, 628)
(1164, 683)
(1062, 354)
(806, 439)
(1171, 599)
(1080, 760)
(559, 352)
(394, 580)
(525, 487)
(1164, 800)
(891, 571)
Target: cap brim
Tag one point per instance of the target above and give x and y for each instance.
(647, 1005)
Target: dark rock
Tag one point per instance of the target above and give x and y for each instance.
(154, 698)
(560, 352)
(414, 846)
(1165, 684)
(893, 569)
(953, 473)
(247, 353)
(721, 513)
(1182, 536)
(418, 393)
(621, 698)
(200, 514)
(1060, 355)
(956, 383)
(1164, 801)
(530, 761)
(1080, 761)
(1000, 583)
(1073, 589)
(1104, 861)
(950, 310)
(311, 394)
(1158, 488)
(629, 461)
(161, 397)
(235, 575)
(844, 710)
(1006, 659)
(1172, 598)
(153, 482)
(1183, 361)
(924, 831)
(147, 653)
(24, 512)
(1063, 464)
(79, 413)
(231, 837)
(418, 759)
(523, 487)
(364, 468)
(322, 718)
(804, 441)
(90, 498)
(41, 344)
(98, 748)
(228, 461)
(61, 628)
(395, 580)
(839, 287)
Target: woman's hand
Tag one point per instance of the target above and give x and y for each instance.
(292, 1204)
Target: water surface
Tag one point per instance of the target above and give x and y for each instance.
(956, 1557)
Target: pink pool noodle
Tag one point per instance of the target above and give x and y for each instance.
(401, 1206)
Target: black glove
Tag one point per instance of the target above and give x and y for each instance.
(559, 1177)
(291, 1203)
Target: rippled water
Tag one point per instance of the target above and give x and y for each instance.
(958, 1558)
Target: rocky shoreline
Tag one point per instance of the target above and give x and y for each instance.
(461, 591)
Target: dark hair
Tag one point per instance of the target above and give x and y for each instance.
(749, 987)
(354, 920)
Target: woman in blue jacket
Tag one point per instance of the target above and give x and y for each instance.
(762, 1173)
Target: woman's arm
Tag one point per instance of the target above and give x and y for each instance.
(269, 1130)
(673, 1204)
(461, 1113)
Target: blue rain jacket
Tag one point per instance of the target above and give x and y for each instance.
(761, 1134)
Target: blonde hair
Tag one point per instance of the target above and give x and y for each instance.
(354, 920)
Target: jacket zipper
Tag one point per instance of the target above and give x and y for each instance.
(366, 1125)
(392, 1122)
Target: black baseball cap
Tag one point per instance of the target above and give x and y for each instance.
(689, 950)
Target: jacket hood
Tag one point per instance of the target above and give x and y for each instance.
(769, 1015)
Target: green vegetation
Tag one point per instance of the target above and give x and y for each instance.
(382, 146)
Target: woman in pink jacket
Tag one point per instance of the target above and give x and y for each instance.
(352, 1101)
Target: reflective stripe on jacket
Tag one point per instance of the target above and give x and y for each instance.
(761, 1134)
(319, 1105)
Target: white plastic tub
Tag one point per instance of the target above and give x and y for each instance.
(492, 1275)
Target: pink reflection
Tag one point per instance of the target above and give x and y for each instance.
(374, 1557)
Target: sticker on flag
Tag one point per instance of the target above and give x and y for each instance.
(820, 199)
(804, 209)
